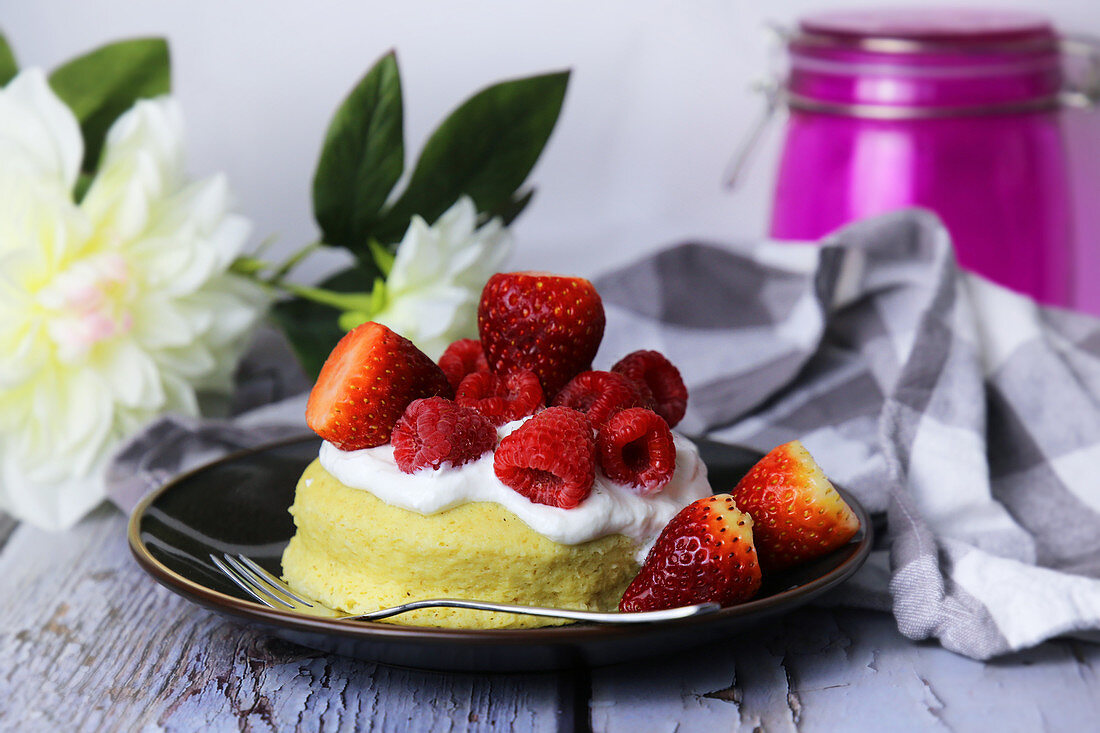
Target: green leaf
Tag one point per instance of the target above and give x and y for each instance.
(362, 158)
(83, 183)
(382, 256)
(352, 319)
(247, 266)
(8, 66)
(510, 209)
(313, 329)
(484, 149)
(102, 84)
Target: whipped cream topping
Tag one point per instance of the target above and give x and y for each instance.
(611, 508)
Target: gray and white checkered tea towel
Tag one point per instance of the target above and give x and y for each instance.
(965, 413)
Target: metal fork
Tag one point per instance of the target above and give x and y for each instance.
(274, 593)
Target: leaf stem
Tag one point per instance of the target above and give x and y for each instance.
(283, 269)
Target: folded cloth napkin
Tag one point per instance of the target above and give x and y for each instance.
(964, 412)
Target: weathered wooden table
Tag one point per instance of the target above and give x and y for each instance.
(88, 642)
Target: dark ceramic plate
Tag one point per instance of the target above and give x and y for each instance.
(239, 504)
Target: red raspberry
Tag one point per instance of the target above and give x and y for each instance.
(550, 459)
(599, 395)
(501, 399)
(463, 357)
(663, 379)
(436, 431)
(635, 447)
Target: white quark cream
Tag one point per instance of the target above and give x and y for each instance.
(611, 508)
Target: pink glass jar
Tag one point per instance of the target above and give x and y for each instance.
(958, 111)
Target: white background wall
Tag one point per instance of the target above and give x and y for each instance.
(658, 100)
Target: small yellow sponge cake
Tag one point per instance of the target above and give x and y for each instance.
(356, 553)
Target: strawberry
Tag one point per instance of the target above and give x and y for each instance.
(550, 459)
(704, 554)
(549, 324)
(798, 513)
(367, 381)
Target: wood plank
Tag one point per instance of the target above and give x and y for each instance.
(818, 669)
(90, 642)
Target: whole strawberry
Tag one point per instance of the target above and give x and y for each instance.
(549, 324)
(367, 381)
(704, 554)
(798, 513)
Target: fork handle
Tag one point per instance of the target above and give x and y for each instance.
(641, 617)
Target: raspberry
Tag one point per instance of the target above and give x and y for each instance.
(463, 357)
(635, 447)
(550, 459)
(499, 399)
(663, 379)
(436, 431)
(599, 395)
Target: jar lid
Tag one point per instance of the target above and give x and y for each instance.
(939, 26)
(934, 61)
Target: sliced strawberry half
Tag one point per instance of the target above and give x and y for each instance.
(705, 554)
(367, 381)
(798, 513)
(549, 324)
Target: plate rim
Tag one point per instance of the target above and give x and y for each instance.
(382, 632)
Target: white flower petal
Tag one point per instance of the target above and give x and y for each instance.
(131, 375)
(421, 258)
(55, 504)
(113, 312)
(36, 125)
(152, 128)
(191, 362)
(432, 318)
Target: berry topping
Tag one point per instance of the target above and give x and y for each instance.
(366, 383)
(549, 324)
(652, 369)
(499, 399)
(436, 433)
(635, 447)
(798, 513)
(550, 459)
(463, 357)
(704, 554)
(599, 395)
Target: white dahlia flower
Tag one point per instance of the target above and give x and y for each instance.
(438, 274)
(112, 311)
